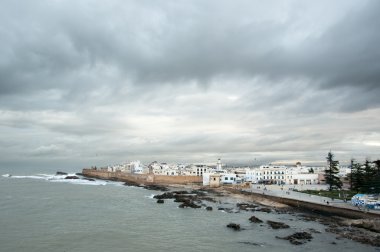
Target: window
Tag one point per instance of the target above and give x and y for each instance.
(214, 179)
(225, 178)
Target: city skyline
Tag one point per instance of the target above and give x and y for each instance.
(95, 83)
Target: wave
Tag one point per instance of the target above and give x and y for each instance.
(76, 179)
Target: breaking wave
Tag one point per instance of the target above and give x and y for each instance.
(69, 178)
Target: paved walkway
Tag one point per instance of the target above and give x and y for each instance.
(287, 192)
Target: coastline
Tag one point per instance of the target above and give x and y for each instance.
(363, 227)
(364, 230)
(262, 198)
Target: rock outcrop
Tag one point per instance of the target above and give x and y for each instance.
(298, 238)
(369, 224)
(277, 225)
(246, 206)
(190, 204)
(234, 226)
(60, 173)
(156, 188)
(254, 219)
(71, 177)
(264, 209)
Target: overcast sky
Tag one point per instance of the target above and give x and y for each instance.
(100, 82)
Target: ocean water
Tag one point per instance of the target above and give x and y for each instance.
(44, 212)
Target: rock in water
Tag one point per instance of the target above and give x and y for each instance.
(156, 188)
(167, 195)
(209, 208)
(160, 201)
(234, 226)
(60, 173)
(131, 183)
(255, 219)
(277, 225)
(264, 209)
(189, 204)
(246, 206)
(298, 238)
(71, 177)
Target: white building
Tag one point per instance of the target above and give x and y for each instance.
(164, 169)
(279, 174)
(198, 170)
(228, 178)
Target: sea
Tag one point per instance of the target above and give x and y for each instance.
(41, 211)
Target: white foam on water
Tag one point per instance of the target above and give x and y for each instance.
(150, 196)
(27, 177)
(61, 179)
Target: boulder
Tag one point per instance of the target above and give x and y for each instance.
(234, 226)
(190, 204)
(180, 192)
(160, 201)
(246, 206)
(277, 225)
(131, 183)
(298, 238)
(264, 209)
(255, 219)
(209, 208)
(60, 173)
(184, 198)
(167, 195)
(156, 188)
(71, 177)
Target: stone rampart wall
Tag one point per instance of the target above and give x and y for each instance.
(142, 178)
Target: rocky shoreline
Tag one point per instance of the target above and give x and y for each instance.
(366, 231)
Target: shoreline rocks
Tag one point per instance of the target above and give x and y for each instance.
(190, 204)
(246, 206)
(71, 177)
(60, 173)
(277, 225)
(234, 226)
(254, 219)
(297, 238)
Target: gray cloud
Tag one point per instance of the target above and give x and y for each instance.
(200, 80)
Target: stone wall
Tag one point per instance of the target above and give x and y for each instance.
(142, 178)
(314, 207)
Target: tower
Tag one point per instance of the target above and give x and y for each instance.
(219, 165)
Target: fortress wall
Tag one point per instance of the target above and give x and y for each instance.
(141, 178)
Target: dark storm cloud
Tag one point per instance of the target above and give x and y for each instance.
(48, 45)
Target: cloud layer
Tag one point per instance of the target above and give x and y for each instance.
(96, 83)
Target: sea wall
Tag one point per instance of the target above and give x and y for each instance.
(142, 178)
(315, 207)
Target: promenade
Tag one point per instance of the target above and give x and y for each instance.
(292, 192)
